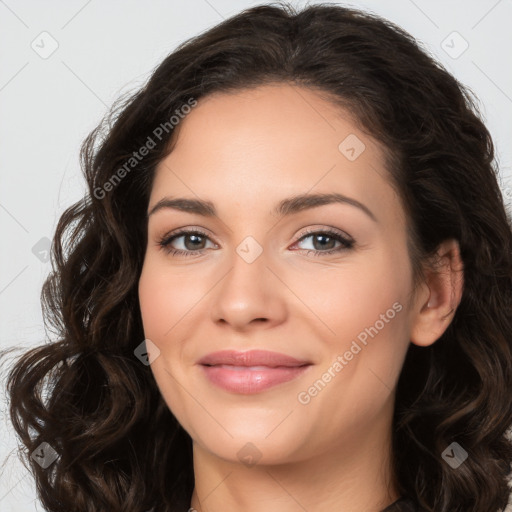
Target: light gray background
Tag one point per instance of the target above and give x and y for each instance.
(48, 106)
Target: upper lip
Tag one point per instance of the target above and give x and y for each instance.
(251, 358)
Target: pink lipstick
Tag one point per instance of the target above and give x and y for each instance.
(252, 371)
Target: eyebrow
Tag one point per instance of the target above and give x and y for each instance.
(286, 207)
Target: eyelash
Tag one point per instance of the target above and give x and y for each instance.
(346, 243)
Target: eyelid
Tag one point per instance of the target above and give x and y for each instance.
(308, 231)
(187, 230)
(172, 235)
(325, 229)
(344, 239)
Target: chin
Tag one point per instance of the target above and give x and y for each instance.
(253, 443)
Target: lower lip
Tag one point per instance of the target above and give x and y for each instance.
(251, 380)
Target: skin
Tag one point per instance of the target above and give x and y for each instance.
(245, 152)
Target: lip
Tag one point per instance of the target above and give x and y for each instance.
(251, 358)
(251, 371)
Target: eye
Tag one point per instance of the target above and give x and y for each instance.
(193, 242)
(326, 239)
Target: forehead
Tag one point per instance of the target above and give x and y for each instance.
(253, 147)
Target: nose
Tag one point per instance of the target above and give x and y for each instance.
(250, 295)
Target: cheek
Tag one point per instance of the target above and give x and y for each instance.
(165, 299)
(350, 298)
(365, 309)
(152, 299)
(162, 307)
(348, 394)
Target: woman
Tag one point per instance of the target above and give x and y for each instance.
(289, 287)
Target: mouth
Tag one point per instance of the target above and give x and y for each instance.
(251, 371)
(266, 358)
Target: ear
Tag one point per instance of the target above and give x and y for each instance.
(439, 296)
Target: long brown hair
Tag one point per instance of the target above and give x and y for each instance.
(120, 447)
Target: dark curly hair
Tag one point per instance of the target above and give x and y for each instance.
(87, 395)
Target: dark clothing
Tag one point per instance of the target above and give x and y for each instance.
(403, 504)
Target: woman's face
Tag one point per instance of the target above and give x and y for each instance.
(327, 283)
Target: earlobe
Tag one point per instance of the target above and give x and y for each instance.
(440, 295)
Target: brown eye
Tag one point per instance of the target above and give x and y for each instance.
(324, 242)
(193, 242)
